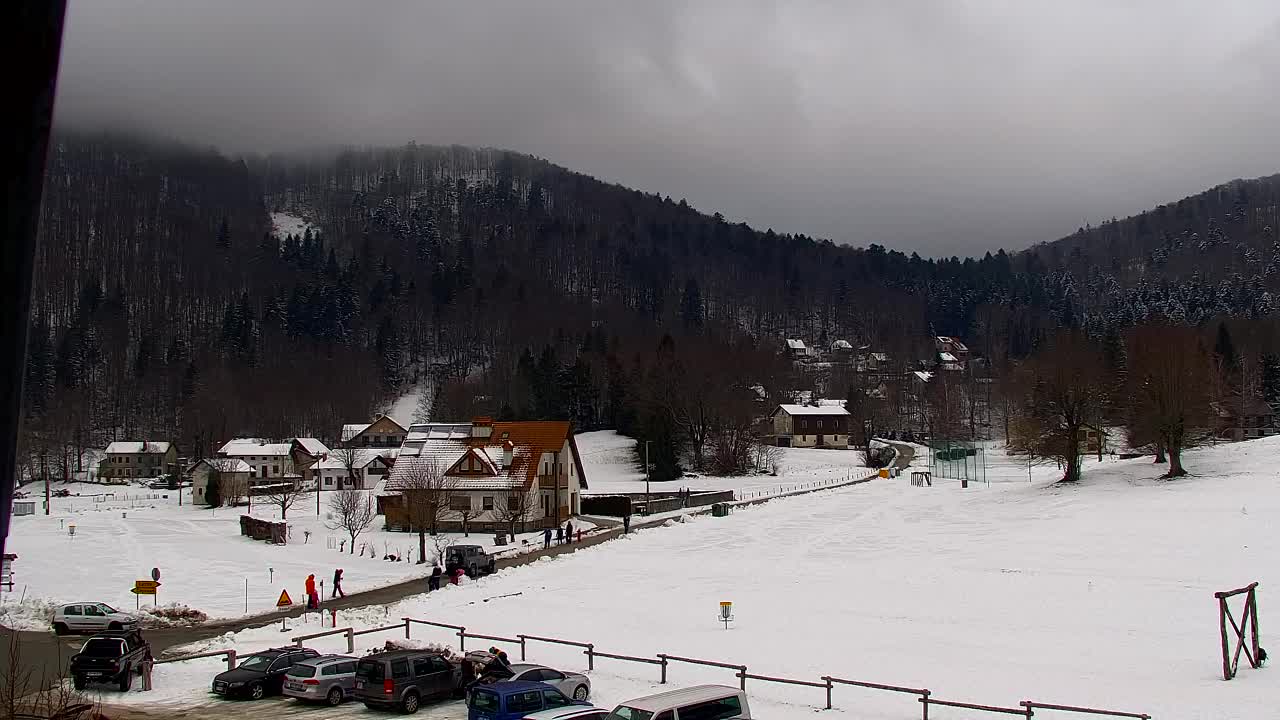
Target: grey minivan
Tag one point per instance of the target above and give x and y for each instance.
(404, 679)
(328, 678)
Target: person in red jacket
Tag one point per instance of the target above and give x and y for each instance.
(313, 598)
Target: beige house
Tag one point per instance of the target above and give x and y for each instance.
(137, 459)
(822, 426)
(382, 432)
(491, 473)
(230, 473)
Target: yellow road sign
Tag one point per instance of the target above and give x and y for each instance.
(144, 587)
(284, 600)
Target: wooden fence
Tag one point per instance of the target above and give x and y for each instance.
(275, 532)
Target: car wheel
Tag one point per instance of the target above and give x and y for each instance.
(77, 682)
(334, 697)
(410, 703)
(60, 629)
(581, 692)
(257, 691)
(115, 626)
(126, 680)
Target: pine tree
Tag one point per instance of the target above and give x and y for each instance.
(223, 240)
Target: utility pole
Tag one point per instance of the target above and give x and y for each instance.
(48, 495)
(646, 477)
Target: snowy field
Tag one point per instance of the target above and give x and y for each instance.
(609, 462)
(1098, 594)
(123, 532)
(286, 224)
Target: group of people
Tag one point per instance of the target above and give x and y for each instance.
(437, 576)
(313, 595)
(564, 535)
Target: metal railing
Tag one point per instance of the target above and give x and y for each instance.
(230, 657)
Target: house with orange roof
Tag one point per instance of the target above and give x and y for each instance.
(492, 474)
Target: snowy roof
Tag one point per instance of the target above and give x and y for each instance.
(880, 357)
(241, 447)
(794, 344)
(134, 447)
(363, 457)
(313, 446)
(352, 430)
(841, 345)
(811, 410)
(923, 376)
(444, 445)
(947, 357)
(830, 402)
(226, 465)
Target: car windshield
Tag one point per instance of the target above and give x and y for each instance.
(302, 671)
(106, 608)
(370, 670)
(622, 712)
(256, 662)
(103, 647)
(484, 700)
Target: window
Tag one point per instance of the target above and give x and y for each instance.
(327, 670)
(304, 671)
(275, 469)
(93, 611)
(71, 610)
(460, 503)
(819, 424)
(422, 666)
(513, 503)
(622, 712)
(439, 664)
(485, 701)
(666, 715)
(720, 709)
(555, 698)
(399, 669)
(530, 701)
(487, 502)
(551, 676)
(346, 668)
(328, 481)
(371, 670)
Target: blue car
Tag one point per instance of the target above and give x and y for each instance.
(514, 700)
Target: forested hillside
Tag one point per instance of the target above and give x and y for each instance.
(164, 307)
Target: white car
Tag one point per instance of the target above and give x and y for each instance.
(574, 685)
(91, 617)
(569, 712)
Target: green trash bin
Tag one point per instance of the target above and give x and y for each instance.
(719, 510)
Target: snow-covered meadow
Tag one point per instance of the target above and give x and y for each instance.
(1098, 594)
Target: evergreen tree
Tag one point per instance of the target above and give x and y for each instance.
(1225, 350)
(223, 239)
(1271, 379)
(691, 304)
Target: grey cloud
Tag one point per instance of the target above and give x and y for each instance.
(942, 127)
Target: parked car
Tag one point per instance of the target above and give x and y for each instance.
(701, 702)
(405, 678)
(471, 558)
(260, 674)
(575, 685)
(510, 700)
(327, 678)
(111, 657)
(91, 617)
(570, 712)
(62, 492)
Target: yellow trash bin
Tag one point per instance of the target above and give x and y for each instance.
(884, 472)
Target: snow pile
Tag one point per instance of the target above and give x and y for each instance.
(27, 613)
(991, 595)
(171, 615)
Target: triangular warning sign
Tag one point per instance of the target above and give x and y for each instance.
(284, 600)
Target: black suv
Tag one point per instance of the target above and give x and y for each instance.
(112, 656)
(405, 678)
(471, 558)
(260, 674)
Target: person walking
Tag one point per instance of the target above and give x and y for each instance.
(337, 583)
(546, 538)
(559, 535)
(313, 600)
(568, 532)
(433, 583)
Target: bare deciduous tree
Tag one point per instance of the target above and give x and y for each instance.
(515, 509)
(1061, 390)
(1168, 393)
(350, 458)
(353, 512)
(283, 494)
(426, 490)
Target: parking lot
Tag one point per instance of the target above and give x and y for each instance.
(277, 707)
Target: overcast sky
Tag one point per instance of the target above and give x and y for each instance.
(947, 127)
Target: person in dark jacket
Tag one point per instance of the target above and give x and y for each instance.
(433, 583)
(559, 535)
(546, 538)
(568, 532)
(337, 583)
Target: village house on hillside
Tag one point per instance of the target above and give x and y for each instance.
(368, 466)
(1245, 420)
(276, 459)
(228, 472)
(811, 426)
(494, 474)
(137, 459)
(382, 432)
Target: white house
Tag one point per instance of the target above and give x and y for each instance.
(811, 426)
(493, 472)
(368, 467)
(228, 471)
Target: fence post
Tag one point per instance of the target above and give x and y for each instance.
(462, 639)
(1029, 711)
(742, 673)
(521, 646)
(828, 679)
(591, 656)
(406, 628)
(297, 643)
(924, 701)
(351, 640)
(231, 659)
(663, 658)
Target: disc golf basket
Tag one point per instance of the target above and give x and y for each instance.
(1245, 632)
(961, 460)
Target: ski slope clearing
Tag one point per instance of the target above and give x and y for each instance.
(286, 224)
(121, 532)
(608, 459)
(1098, 594)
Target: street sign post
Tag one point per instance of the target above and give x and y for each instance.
(145, 587)
(284, 602)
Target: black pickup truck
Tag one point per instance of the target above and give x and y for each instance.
(110, 657)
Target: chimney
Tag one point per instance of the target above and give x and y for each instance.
(508, 453)
(481, 427)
